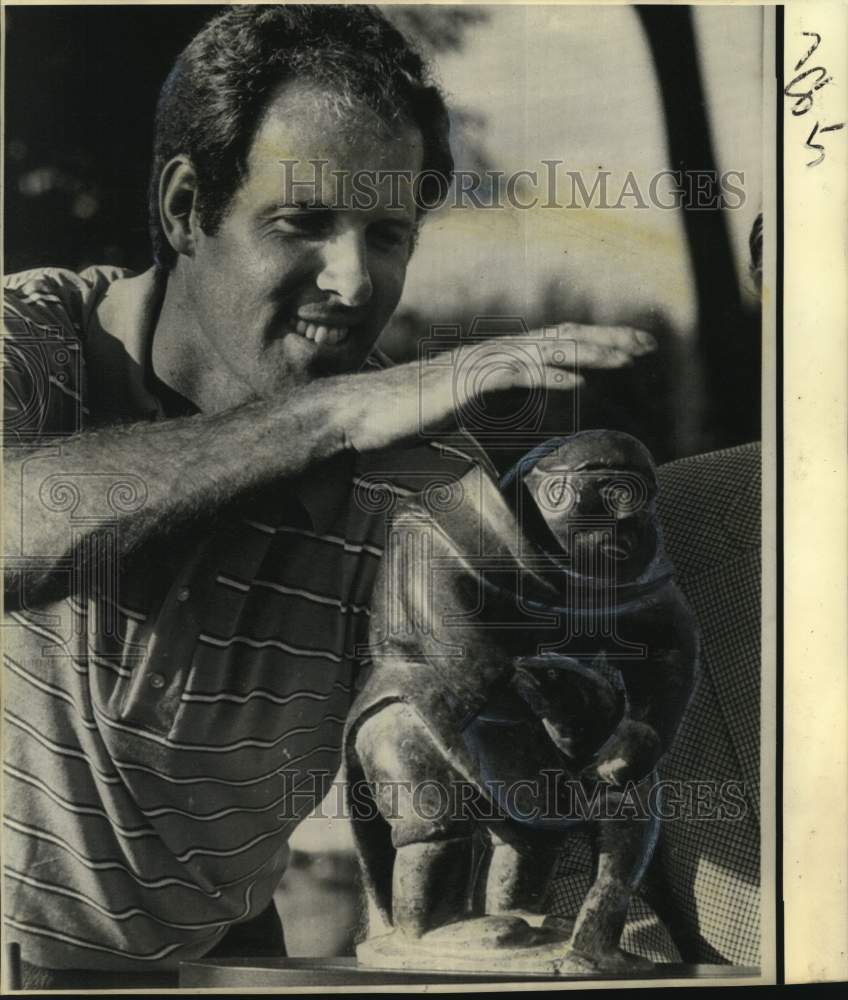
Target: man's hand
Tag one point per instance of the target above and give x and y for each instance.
(428, 397)
(189, 467)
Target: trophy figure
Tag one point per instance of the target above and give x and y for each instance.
(533, 659)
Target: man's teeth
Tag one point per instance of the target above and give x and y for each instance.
(321, 334)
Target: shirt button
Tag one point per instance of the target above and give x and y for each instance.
(157, 681)
(183, 594)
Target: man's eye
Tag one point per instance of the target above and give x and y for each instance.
(390, 236)
(308, 223)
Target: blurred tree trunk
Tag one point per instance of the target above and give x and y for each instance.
(728, 335)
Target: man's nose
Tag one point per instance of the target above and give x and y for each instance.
(344, 271)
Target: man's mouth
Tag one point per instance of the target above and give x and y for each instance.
(321, 333)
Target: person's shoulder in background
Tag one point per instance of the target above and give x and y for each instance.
(708, 857)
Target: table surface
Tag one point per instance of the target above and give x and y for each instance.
(281, 972)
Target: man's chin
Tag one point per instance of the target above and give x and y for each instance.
(343, 360)
(308, 360)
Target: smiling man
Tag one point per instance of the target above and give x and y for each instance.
(285, 290)
(188, 569)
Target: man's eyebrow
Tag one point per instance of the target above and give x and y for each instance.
(301, 204)
(398, 221)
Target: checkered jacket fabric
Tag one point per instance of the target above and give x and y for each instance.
(703, 887)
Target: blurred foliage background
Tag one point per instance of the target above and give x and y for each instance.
(644, 88)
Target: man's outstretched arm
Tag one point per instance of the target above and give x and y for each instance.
(190, 467)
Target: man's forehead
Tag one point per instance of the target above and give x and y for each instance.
(306, 122)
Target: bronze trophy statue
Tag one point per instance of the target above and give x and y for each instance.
(533, 659)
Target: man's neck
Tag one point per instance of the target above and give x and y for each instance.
(184, 361)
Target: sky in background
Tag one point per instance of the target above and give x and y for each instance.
(577, 84)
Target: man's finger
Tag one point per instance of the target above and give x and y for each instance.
(560, 352)
(623, 338)
(584, 355)
(563, 379)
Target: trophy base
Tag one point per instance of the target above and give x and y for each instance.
(297, 973)
(506, 944)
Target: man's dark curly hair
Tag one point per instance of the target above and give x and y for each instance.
(212, 102)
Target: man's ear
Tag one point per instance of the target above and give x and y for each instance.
(177, 200)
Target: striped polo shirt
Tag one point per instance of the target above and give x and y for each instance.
(170, 719)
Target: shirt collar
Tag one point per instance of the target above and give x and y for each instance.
(118, 343)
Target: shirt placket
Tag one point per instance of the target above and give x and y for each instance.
(157, 686)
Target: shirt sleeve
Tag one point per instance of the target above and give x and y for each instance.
(43, 363)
